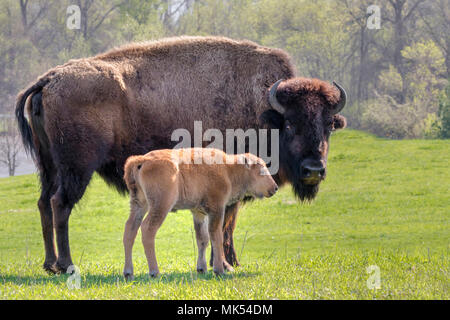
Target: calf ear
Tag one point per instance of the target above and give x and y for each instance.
(247, 163)
(244, 159)
(272, 118)
(339, 122)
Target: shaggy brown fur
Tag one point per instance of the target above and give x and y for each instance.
(160, 181)
(290, 91)
(91, 114)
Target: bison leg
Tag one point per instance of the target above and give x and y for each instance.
(45, 210)
(201, 233)
(229, 224)
(70, 190)
(131, 228)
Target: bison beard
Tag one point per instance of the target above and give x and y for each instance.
(304, 192)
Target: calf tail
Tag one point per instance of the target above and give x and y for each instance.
(132, 166)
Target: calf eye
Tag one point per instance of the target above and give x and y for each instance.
(263, 171)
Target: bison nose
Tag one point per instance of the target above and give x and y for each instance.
(312, 171)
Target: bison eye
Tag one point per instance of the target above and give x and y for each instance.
(329, 127)
(288, 128)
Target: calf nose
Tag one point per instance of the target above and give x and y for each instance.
(312, 170)
(273, 191)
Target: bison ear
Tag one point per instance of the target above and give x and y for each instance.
(339, 122)
(272, 118)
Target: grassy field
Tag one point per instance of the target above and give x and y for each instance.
(384, 203)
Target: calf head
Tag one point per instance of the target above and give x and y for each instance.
(260, 184)
(306, 112)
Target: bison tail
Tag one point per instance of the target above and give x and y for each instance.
(132, 166)
(24, 127)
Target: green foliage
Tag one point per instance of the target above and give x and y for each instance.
(385, 117)
(425, 86)
(390, 82)
(432, 127)
(140, 20)
(417, 117)
(383, 203)
(444, 113)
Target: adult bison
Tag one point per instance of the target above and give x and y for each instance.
(91, 114)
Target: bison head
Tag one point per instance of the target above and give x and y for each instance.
(306, 112)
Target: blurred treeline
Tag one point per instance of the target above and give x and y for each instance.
(396, 76)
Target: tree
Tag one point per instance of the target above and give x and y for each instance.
(10, 144)
(402, 12)
(94, 14)
(444, 113)
(436, 19)
(363, 54)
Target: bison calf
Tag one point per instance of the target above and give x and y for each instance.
(205, 181)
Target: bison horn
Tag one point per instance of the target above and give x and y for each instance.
(342, 100)
(273, 99)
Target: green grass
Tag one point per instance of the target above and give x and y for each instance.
(384, 203)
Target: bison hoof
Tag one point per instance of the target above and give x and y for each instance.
(61, 267)
(232, 260)
(50, 268)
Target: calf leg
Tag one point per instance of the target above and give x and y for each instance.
(149, 228)
(201, 233)
(137, 211)
(215, 224)
(229, 225)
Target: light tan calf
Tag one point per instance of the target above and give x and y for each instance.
(162, 181)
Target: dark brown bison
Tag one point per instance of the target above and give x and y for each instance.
(91, 114)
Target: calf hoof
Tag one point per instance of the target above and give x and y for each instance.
(218, 271)
(201, 270)
(202, 267)
(153, 274)
(228, 267)
(128, 276)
